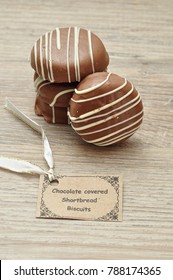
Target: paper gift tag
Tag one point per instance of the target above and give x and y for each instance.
(81, 197)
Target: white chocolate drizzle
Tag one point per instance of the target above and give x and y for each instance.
(58, 39)
(110, 117)
(97, 110)
(76, 53)
(47, 55)
(94, 87)
(109, 112)
(90, 50)
(86, 125)
(50, 57)
(116, 132)
(53, 114)
(60, 94)
(68, 47)
(108, 127)
(44, 84)
(54, 39)
(52, 104)
(118, 138)
(103, 95)
(41, 59)
(35, 56)
(38, 81)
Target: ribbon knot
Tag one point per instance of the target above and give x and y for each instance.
(51, 175)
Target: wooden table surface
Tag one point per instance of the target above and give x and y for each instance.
(138, 35)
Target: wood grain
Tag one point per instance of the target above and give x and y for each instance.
(138, 36)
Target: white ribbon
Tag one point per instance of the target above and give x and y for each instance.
(21, 166)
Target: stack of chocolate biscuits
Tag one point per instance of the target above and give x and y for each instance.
(61, 59)
(72, 83)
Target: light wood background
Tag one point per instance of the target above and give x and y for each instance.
(138, 35)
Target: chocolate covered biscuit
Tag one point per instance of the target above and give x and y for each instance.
(67, 55)
(105, 109)
(52, 99)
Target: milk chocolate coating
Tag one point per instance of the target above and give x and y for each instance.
(105, 109)
(43, 109)
(52, 99)
(67, 55)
